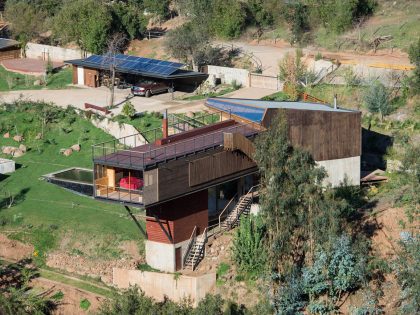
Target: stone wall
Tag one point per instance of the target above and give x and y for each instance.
(39, 51)
(265, 82)
(158, 285)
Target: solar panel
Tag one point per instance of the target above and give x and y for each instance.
(136, 64)
(250, 113)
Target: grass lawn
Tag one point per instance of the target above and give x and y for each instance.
(143, 122)
(43, 213)
(10, 81)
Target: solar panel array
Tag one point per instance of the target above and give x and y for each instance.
(250, 113)
(136, 64)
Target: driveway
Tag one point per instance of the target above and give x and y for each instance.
(77, 97)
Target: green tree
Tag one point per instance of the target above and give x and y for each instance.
(414, 54)
(160, 8)
(259, 14)
(296, 15)
(128, 19)
(248, 246)
(26, 20)
(377, 99)
(228, 18)
(186, 41)
(86, 22)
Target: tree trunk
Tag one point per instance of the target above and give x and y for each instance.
(112, 86)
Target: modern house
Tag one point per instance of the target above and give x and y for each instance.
(200, 181)
(93, 71)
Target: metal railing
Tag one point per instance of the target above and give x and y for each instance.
(189, 246)
(226, 209)
(151, 154)
(118, 193)
(196, 258)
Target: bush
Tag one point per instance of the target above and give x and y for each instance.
(248, 250)
(377, 99)
(128, 110)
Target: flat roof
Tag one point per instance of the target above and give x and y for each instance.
(150, 154)
(6, 43)
(138, 66)
(254, 110)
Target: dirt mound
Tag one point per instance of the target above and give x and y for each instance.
(14, 250)
(70, 303)
(93, 268)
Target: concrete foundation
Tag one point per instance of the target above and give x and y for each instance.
(7, 166)
(161, 256)
(340, 169)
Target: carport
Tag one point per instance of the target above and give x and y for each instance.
(95, 71)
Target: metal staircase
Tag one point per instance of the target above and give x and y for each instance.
(232, 213)
(242, 208)
(195, 250)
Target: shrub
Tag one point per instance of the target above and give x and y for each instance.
(248, 250)
(128, 110)
(377, 99)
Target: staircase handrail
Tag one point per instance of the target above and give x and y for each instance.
(190, 243)
(225, 208)
(204, 238)
(250, 191)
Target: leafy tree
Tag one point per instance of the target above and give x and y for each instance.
(414, 54)
(296, 15)
(128, 110)
(248, 248)
(186, 41)
(128, 19)
(290, 298)
(228, 18)
(160, 8)
(211, 304)
(26, 20)
(86, 22)
(377, 99)
(259, 13)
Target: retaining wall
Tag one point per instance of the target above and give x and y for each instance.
(119, 131)
(265, 82)
(158, 285)
(39, 51)
(228, 75)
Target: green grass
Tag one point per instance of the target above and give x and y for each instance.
(44, 213)
(10, 81)
(278, 96)
(222, 269)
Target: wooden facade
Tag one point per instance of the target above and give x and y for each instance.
(327, 135)
(195, 173)
(91, 77)
(178, 218)
(10, 53)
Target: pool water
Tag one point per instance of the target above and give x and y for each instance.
(76, 174)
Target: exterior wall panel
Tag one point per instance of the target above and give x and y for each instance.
(10, 53)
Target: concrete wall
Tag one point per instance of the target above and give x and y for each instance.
(38, 51)
(158, 285)
(7, 166)
(339, 169)
(161, 256)
(120, 130)
(228, 75)
(265, 82)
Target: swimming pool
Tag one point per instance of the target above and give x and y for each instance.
(76, 179)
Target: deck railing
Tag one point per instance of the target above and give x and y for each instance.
(117, 193)
(110, 152)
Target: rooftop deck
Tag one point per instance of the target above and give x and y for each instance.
(198, 140)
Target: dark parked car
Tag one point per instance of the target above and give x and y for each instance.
(149, 88)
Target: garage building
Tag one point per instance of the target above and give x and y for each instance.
(9, 49)
(94, 71)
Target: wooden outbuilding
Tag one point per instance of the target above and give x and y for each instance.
(9, 49)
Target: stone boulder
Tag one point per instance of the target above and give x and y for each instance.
(38, 136)
(23, 148)
(18, 153)
(75, 147)
(6, 135)
(7, 150)
(37, 82)
(190, 115)
(18, 138)
(67, 152)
